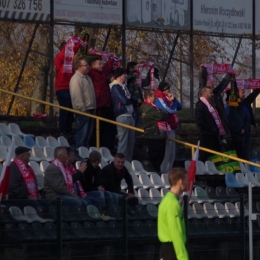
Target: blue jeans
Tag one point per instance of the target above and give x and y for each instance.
(84, 129)
(70, 201)
(65, 117)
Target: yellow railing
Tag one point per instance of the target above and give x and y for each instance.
(98, 119)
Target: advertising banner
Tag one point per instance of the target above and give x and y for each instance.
(257, 18)
(222, 16)
(89, 11)
(25, 10)
(161, 14)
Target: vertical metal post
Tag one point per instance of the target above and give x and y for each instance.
(236, 52)
(253, 51)
(124, 35)
(191, 61)
(242, 228)
(125, 235)
(250, 200)
(51, 35)
(106, 40)
(192, 151)
(97, 133)
(23, 66)
(171, 54)
(59, 231)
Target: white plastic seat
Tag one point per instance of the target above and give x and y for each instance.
(36, 167)
(164, 191)
(106, 155)
(123, 184)
(15, 129)
(93, 148)
(4, 130)
(13, 151)
(210, 210)
(52, 142)
(129, 168)
(187, 165)
(222, 213)
(77, 164)
(156, 181)
(144, 179)
(212, 168)
(237, 206)
(251, 178)
(165, 180)
(18, 214)
(192, 214)
(3, 152)
(155, 196)
(48, 153)
(136, 182)
(103, 163)
(37, 155)
(6, 140)
(243, 168)
(230, 208)
(242, 179)
(18, 141)
(139, 169)
(202, 169)
(63, 141)
(84, 152)
(144, 197)
(198, 209)
(40, 141)
(31, 214)
(201, 195)
(44, 165)
(40, 181)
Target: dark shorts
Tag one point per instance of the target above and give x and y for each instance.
(167, 252)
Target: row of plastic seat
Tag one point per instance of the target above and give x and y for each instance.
(29, 141)
(240, 180)
(11, 129)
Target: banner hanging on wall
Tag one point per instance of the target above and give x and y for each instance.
(160, 14)
(89, 11)
(257, 17)
(222, 16)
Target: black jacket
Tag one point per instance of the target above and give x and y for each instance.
(90, 178)
(111, 179)
(205, 121)
(217, 96)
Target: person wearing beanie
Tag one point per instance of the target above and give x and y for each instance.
(123, 110)
(23, 187)
(134, 89)
(167, 102)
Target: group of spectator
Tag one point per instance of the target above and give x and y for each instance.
(87, 185)
(223, 127)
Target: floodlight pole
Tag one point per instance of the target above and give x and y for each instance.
(123, 35)
(250, 200)
(51, 61)
(236, 52)
(106, 40)
(23, 66)
(191, 61)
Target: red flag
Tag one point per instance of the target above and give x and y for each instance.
(4, 178)
(192, 170)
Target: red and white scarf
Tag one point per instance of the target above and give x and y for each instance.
(215, 116)
(151, 71)
(69, 53)
(162, 125)
(66, 174)
(73, 171)
(28, 177)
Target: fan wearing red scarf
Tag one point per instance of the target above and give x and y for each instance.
(155, 129)
(23, 188)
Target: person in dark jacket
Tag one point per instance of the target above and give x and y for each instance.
(240, 120)
(23, 188)
(155, 129)
(208, 122)
(113, 174)
(123, 110)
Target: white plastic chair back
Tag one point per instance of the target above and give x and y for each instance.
(187, 165)
(44, 165)
(18, 141)
(31, 214)
(241, 178)
(251, 178)
(230, 208)
(209, 210)
(48, 153)
(4, 129)
(84, 152)
(129, 168)
(18, 214)
(198, 209)
(6, 140)
(93, 148)
(123, 184)
(36, 167)
(156, 181)
(144, 179)
(52, 142)
(136, 182)
(138, 167)
(63, 141)
(164, 191)
(106, 155)
(165, 180)
(3, 152)
(103, 163)
(40, 141)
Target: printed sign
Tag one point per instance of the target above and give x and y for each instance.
(171, 14)
(89, 11)
(257, 18)
(231, 17)
(27, 10)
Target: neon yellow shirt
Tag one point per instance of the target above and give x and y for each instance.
(171, 226)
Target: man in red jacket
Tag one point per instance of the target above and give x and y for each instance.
(62, 89)
(99, 74)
